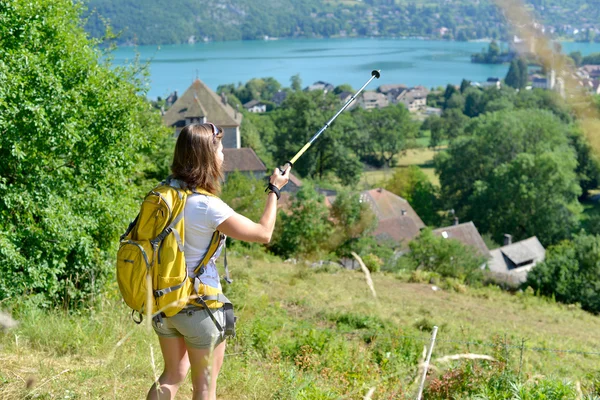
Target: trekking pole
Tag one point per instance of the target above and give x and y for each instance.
(374, 74)
(426, 365)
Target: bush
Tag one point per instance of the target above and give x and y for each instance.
(447, 257)
(74, 134)
(372, 262)
(570, 273)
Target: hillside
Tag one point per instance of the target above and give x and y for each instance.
(317, 333)
(182, 21)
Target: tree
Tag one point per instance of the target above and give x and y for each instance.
(296, 83)
(301, 115)
(455, 123)
(447, 257)
(390, 130)
(513, 77)
(464, 85)
(577, 58)
(521, 182)
(450, 90)
(437, 128)
(413, 185)
(570, 273)
(353, 219)
(306, 229)
(473, 102)
(523, 73)
(75, 138)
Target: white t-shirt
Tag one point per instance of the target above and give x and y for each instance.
(202, 216)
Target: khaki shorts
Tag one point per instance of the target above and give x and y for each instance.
(196, 327)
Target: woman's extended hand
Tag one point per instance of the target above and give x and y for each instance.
(280, 179)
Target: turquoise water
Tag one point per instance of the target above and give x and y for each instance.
(337, 61)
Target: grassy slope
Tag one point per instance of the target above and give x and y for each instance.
(302, 334)
(422, 157)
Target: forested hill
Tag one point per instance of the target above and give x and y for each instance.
(182, 21)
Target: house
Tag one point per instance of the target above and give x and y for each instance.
(385, 89)
(413, 100)
(200, 104)
(320, 85)
(590, 71)
(279, 97)
(245, 161)
(493, 82)
(293, 185)
(345, 97)
(396, 219)
(434, 111)
(467, 234)
(370, 100)
(510, 263)
(540, 83)
(255, 106)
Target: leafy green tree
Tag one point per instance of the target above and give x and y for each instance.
(473, 102)
(464, 85)
(305, 230)
(447, 257)
(296, 83)
(570, 273)
(455, 123)
(302, 114)
(437, 128)
(352, 219)
(456, 101)
(257, 133)
(343, 88)
(390, 131)
(75, 136)
(413, 185)
(513, 76)
(533, 194)
(521, 181)
(450, 90)
(588, 164)
(523, 73)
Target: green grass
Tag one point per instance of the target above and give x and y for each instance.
(422, 157)
(306, 334)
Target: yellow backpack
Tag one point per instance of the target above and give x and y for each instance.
(151, 267)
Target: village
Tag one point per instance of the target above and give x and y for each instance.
(397, 221)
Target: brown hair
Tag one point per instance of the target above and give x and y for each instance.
(195, 162)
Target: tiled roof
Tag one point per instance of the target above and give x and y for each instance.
(386, 204)
(200, 101)
(467, 234)
(243, 160)
(396, 218)
(399, 229)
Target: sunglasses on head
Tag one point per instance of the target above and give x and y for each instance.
(215, 130)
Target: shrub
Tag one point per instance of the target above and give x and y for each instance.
(447, 257)
(74, 131)
(570, 273)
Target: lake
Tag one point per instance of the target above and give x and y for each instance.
(337, 61)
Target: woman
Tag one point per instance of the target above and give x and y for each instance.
(193, 340)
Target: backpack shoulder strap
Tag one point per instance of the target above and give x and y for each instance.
(215, 241)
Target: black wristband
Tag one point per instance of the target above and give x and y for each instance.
(274, 189)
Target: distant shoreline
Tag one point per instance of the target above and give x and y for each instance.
(424, 38)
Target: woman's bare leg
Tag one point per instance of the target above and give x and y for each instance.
(206, 365)
(177, 364)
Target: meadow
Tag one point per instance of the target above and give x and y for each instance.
(318, 333)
